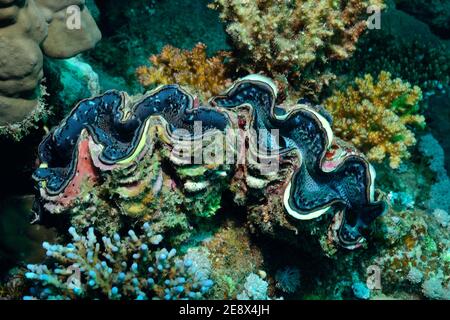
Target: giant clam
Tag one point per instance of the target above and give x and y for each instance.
(125, 147)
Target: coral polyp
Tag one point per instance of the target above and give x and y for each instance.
(129, 153)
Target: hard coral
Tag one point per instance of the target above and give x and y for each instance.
(118, 268)
(413, 253)
(295, 38)
(30, 29)
(193, 69)
(438, 197)
(233, 257)
(255, 288)
(374, 116)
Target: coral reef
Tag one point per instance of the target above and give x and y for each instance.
(132, 267)
(233, 257)
(63, 41)
(414, 253)
(191, 69)
(294, 39)
(147, 181)
(255, 288)
(17, 131)
(260, 191)
(375, 114)
(117, 156)
(29, 30)
(409, 245)
(13, 286)
(307, 193)
(407, 258)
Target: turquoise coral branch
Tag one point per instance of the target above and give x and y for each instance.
(132, 267)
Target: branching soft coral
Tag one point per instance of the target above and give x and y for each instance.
(193, 69)
(375, 115)
(295, 38)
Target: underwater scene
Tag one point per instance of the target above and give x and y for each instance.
(225, 150)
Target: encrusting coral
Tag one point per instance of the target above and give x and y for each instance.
(375, 114)
(192, 69)
(438, 197)
(29, 30)
(295, 38)
(132, 267)
(229, 247)
(413, 253)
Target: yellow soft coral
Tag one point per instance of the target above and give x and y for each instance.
(193, 69)
(375, 116)
(295, 38)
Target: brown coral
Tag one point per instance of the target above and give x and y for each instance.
(415, 251)
(295, 38)
(374, 116)
(192, 69)
(233, 257)
(30, 29)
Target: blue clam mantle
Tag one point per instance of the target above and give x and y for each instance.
(117, 123)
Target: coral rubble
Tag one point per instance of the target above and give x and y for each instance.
(413, 254)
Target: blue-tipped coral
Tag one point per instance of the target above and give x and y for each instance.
(255, 288)
(132, 267)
